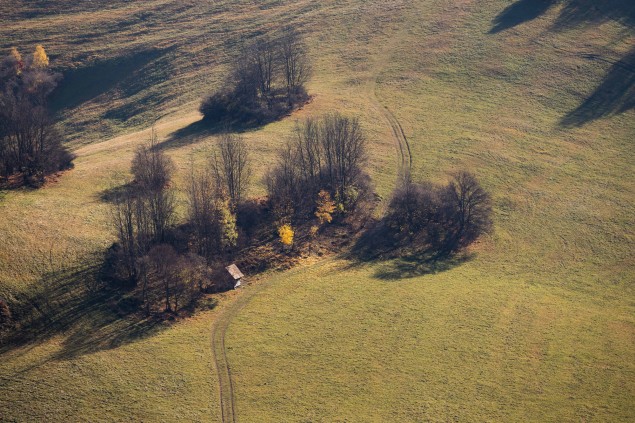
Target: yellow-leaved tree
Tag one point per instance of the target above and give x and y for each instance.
(286, 235)
(325, 207)
(40, 59)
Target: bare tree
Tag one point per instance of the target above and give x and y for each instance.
(263, 54)
(295, 62)
(244, 78)
(152, 171)
(231, 168)
(163, 260)
(308, 151)
(284, 185)
(125, 223)
(344, 148)
(201, 202)
(151, 168)
(468, 210)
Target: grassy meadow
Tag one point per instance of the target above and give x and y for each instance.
(535, 323)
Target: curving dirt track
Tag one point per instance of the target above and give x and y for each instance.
(219, 352)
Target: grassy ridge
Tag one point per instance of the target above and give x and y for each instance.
(538, 325)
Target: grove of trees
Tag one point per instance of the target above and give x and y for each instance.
(30, 146)
(326, 154)
(319, 180)
(169, 265)
(266, 81)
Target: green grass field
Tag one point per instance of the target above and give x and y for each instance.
(538, 324)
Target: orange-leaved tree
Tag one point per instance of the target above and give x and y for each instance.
(17, 59)
(325, 207)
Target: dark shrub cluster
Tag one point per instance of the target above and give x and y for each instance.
(266, 81)
(444, 218)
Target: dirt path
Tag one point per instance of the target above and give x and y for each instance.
(239, 299)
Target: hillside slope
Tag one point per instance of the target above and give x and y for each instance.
(536, 98)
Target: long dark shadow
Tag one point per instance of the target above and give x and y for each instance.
(572, 14)
(614, 95)
(399, 258)
(75, 303)
(520, 12)
(83, 84)
(593, 12)
(191, 134)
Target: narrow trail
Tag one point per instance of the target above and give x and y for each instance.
(400, 140)
(219, 352)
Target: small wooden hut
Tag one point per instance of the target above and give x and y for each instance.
(236, 274)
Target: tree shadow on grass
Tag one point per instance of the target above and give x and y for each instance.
(520, 12)
(202, 129)
(193, 133)
(112, 194)
(573, 13)
(616, 92)
(86, 83)
(74, 303)
(614, 95)
(419, 263)
(593, 12)
(400, 259)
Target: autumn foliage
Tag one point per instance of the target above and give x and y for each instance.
(325, 207)
(286, 233)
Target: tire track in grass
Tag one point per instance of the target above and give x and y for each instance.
(219, 352)
(398, 134)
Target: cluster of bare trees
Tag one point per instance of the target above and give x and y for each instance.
(144, 211)
(445, 218)
(169, 265)
(324, 154)
(30, 146)
(266, 81)
(144, 216)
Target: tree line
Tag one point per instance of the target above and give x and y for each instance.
(176, 262)
(30, 146)
(266, 81)
(327, 154)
